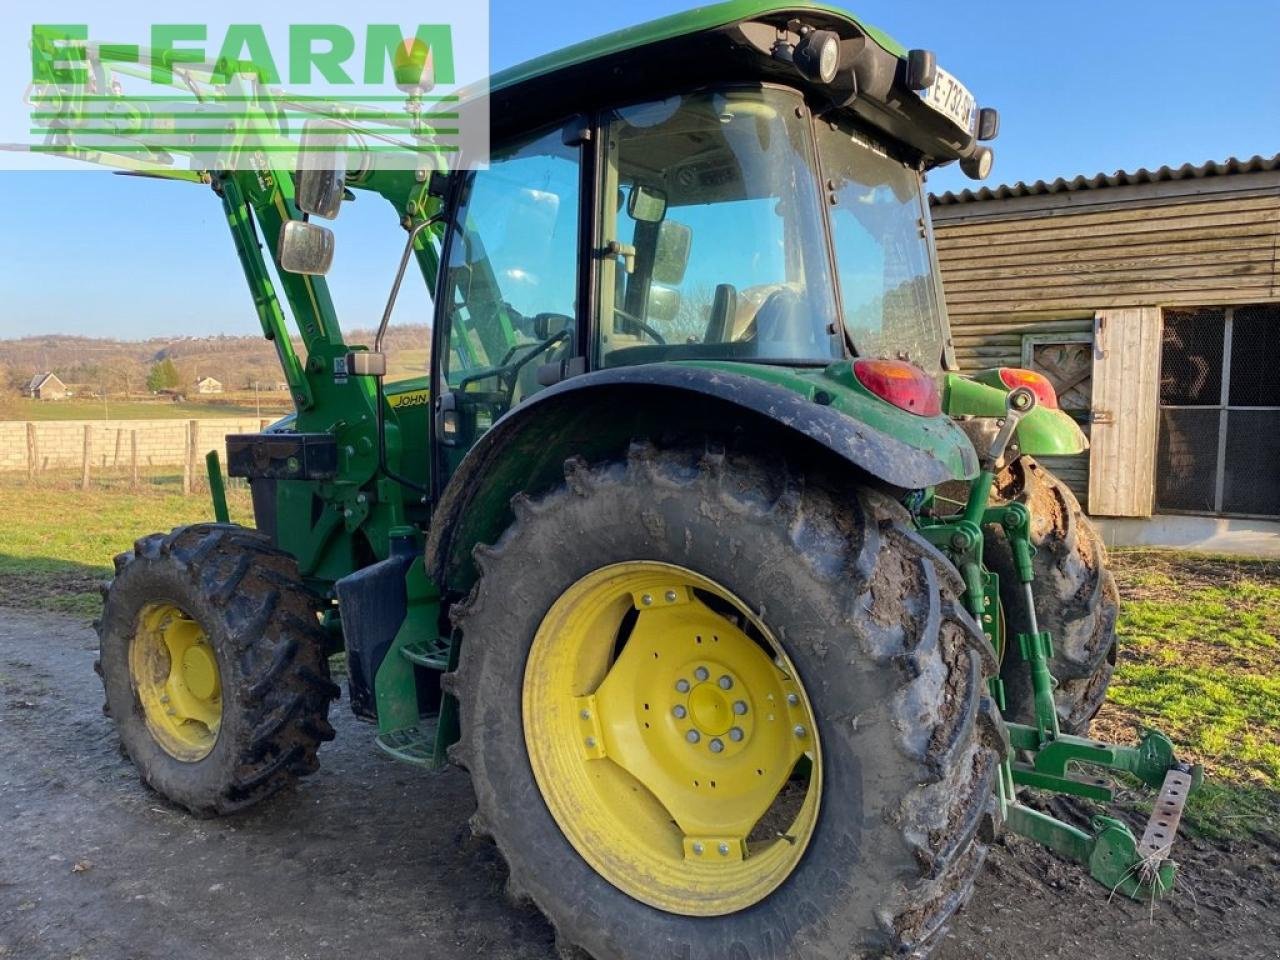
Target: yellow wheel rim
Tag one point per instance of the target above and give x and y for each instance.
(175, 674)
(672, 739)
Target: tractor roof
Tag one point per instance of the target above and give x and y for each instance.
(694, 21)
(732, 42)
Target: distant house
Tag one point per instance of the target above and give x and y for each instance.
(45, 386)
(208, 385)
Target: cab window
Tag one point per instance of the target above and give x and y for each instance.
(510, 285)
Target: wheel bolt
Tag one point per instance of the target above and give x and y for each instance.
(793, 699)
(724, 849)
(591, 742)
(697, 849)
(735, 734)
(671, 596)
(647, 599)
(682, 685)
(726, 683)
(716, 745)
(799, 730)
(740, 707)
(679, 712)
(693, 736)
(585, 714)
(701, 673)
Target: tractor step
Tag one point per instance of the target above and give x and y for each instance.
(432, 654)
(415, 745)
(1162, 828)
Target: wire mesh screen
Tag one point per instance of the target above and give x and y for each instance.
(1251, 480)
(1255, 356)
(1204, 391)
(1191, 365)
(1187, 461)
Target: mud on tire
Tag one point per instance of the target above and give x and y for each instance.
(1076, 597)
(261, 621)
(869, 614)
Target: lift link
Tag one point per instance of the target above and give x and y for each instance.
(1112, 854)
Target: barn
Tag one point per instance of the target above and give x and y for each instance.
(1152, 300)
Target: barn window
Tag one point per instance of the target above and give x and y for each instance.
(1220, 412)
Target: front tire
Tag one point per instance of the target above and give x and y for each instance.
(859, 610)
(213, 663)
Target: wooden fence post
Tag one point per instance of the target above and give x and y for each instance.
(189, 467)
(33, 453)
(119, 437)
(133, 458)
(88, 454)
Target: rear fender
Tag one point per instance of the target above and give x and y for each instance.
(1044, 432)
(596, 416)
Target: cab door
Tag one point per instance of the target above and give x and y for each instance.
(507, 311)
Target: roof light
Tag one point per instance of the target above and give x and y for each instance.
(978, 165)
(902, 384)
(817, 55)
(922, 69)
(1037, 383)
(988, 123)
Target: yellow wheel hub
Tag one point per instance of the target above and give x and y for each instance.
(672, 739)
(175, 673)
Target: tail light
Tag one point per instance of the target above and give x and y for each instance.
(1038, 384)
(902, 384)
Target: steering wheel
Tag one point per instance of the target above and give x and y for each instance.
(641, 325)
(508, 370)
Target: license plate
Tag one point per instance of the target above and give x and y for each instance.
(949, 97)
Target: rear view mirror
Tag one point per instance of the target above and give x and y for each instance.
(305, 248)
(671, 255)
(664, 304)
(646, 204)
(322, 168)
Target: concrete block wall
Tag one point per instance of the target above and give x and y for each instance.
(161, 443)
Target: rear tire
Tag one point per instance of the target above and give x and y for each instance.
(1076, 597)
(868, 614)
(272, 690)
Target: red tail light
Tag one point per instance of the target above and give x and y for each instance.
(1038, 384)
(903, 384)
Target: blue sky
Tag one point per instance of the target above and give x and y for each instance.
(1082, 87)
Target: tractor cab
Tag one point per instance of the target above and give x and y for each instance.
(758, 200)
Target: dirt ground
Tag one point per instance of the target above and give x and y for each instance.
(373, 859)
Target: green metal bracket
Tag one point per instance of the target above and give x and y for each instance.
(216, 488)
(1051, 769)
(449, 727)
(1111, 853)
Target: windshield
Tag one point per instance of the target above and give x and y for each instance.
(888, 281)
(715, 237)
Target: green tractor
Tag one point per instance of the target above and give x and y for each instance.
(750, 618)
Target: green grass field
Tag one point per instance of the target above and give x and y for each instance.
(19, 409)
(1200, 654)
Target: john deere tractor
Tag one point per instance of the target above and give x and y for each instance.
(752, 620)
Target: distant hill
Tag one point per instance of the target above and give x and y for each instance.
(91, 365)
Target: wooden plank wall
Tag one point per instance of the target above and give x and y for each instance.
(1047, 264)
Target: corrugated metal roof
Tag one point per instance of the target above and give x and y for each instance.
(1121, 178)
